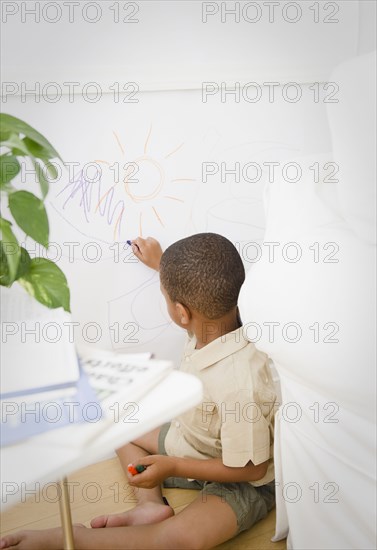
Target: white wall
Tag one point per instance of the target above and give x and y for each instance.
(169, 134)
(164, 44)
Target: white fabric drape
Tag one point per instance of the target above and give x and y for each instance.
(325, 428)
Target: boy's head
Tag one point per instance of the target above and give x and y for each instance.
(204, 273)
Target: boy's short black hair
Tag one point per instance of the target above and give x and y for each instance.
(203, 272)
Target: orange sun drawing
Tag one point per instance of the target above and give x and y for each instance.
(143, 181)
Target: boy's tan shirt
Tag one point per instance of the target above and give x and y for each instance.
(235, 420)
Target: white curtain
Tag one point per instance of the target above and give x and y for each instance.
(316, 319)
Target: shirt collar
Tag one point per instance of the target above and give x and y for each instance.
(215, 351)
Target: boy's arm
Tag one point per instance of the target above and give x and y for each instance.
(159, 467)
(148, 251)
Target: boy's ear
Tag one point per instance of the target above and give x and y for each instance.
(183, 312)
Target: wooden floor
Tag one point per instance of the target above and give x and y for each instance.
(102, 488)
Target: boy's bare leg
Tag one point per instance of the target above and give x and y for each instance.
(202, 524)
(150, 507)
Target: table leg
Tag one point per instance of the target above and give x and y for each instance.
(65, 515)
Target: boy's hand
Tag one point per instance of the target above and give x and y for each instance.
(159, 467)
(148, 251)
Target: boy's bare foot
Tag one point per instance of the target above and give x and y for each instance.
(48, 539)
(146, 513)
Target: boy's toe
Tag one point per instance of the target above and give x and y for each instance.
(98, 522)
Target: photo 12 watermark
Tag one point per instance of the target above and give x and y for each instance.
(292, 332)
(89, 492)
(76, 176)
(53, 92)
(61, 413)
(252, 412)
(293, 492)
(271, 12)
(70, 12)
(290, 252)
(269, 92)
(90, 252)
(271, 171)
(51, 332)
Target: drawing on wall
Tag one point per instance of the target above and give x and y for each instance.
(113, 200)
(132, 322)
(233, 210)
(232, 205)
(237, 218)
(145, 180)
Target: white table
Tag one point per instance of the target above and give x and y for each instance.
(38, 460)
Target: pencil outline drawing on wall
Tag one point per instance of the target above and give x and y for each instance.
(126, 305)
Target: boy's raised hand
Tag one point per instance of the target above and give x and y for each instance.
(148, 251)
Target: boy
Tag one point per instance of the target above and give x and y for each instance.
(224, 446)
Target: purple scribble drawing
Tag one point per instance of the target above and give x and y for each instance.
(90, 198)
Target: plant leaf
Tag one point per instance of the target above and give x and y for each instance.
(51, 169)
(30, 214)
(23, 266)
(13, 124)
(9, 168)
(11, 250)
(4, 270)
(35, 149)
(16, 145)
(39, 152)
(46, 282)
(4, 135)
(43, 182)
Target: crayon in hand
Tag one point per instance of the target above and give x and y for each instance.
(130, 243)
(136, 469)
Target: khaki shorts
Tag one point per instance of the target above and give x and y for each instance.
(249, 503)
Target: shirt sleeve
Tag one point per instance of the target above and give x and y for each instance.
(245, 433)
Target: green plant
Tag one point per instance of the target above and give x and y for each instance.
(40, 277)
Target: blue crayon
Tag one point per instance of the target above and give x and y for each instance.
(133, 244)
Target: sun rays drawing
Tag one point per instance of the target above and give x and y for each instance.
(142, 187)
